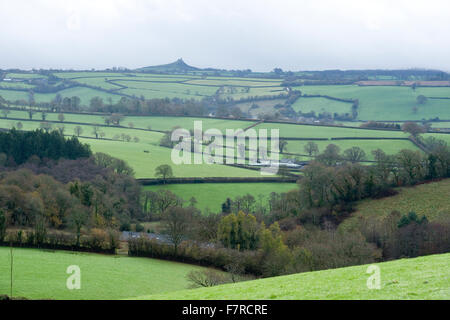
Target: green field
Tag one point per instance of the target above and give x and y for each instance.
(98, 82)
(145, 164)
(168, 123)
(158, 123)
(440, 136)
(419, 278)
(41, 274)
(388, 103)
(264, 107)
(430, 199)
(319, 105)
(235, 82)
(148, 137)
(85, 94)
(15, 85)
(25, 76)
(212, 195)
(309, 131)
(152, 90)
(243, 93)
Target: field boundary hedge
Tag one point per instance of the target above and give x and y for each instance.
(149, 182)
(328, 97)
(419, 145)
(63, 247)
(333, 125)
(368, 138)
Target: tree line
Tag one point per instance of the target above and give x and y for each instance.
(16, 147)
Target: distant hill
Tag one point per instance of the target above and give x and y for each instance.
(177, 66)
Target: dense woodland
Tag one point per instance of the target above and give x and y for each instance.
(43, 191)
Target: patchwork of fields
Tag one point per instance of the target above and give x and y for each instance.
(41, 274)
(144, 154)
(383, 103)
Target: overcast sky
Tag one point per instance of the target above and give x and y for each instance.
(255, 34)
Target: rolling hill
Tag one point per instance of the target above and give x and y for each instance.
(425, 277)
(177, 66)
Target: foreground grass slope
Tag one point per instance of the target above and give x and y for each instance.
(40, 274)
(419, 278)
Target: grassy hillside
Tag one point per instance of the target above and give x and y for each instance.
(418, 278)
(212, 195)
(41, 274)
(429, 199)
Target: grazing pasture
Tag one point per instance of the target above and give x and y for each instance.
(15, 85)
(309, 131)
(157, 123)
(145, 164)
(212, 195)
(260, 107)
(25, 76)
(417, 278)
(152, 88)
(234, 82)
(146, 137)
(320, 105)
(85, 94)
(41, 274)
(429, 199)
(388, 103)
(239, 93)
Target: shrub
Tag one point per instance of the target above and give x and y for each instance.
(207, 278)
(139, 227)
(125, 226)
(97, 240)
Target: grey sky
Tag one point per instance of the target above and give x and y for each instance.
(255, 34)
